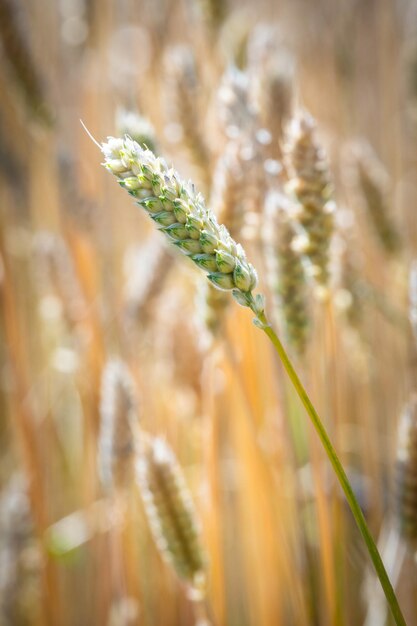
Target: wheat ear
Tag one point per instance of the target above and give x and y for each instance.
(170, 510)
(373, 182)
(118, 411)
(181, 214)
(310, 184)
(287, 274)
(406, 475)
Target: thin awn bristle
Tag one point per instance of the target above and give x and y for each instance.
(119, 415)
(170, 511)
(310, 184)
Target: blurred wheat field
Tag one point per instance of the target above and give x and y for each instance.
(156, 466)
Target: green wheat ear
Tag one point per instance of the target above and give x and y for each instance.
(180, 213)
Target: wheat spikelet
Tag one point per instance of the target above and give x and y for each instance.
(170, 510)
(137, 127)
(310, 184)
(374, 185)
(406, 475)
(118, 411)
(183, 217)
(14, 41)
(286, 272)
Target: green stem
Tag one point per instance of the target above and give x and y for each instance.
(338, 468)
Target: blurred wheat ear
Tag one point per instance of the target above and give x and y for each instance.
(170, 511)
(406, 475)
(287, 274)
(117, 440)
(310, 185)
(374, 184)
